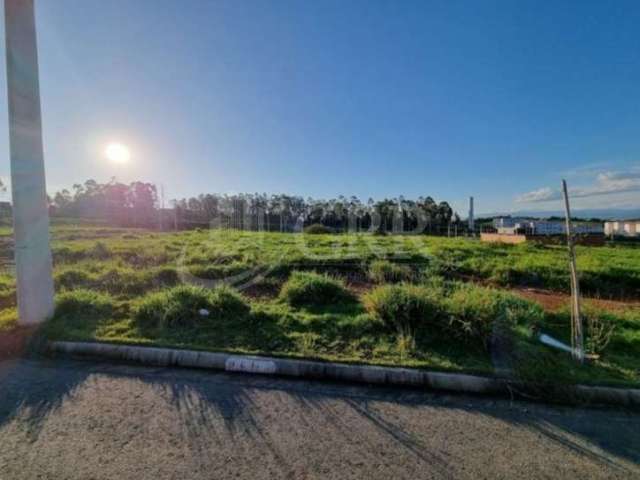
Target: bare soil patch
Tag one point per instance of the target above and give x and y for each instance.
(554, 301)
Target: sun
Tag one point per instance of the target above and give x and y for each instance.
(117, 153)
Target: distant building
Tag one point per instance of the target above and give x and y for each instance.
(507, 222)
(528, 226)
(623, 228)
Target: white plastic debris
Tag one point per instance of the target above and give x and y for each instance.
(203, 312)
(552, 342)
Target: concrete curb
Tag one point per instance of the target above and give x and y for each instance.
(454, 382)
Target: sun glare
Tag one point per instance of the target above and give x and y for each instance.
(117, 153)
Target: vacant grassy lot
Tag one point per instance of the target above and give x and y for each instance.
(397, 300)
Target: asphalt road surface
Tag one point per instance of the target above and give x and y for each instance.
(82, 420)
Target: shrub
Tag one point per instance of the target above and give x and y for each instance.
(313, 289)
(599, 330)
(404, 307)
(599, 326)
(80, 308)
(478, 313)
(383, 271)
(180, 307)
(317, 229)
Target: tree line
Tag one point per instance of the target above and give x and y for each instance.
(138, 204)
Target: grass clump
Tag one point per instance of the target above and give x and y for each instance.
(119, 280)
(404, 307)
(183, 307)
(100, 251)
(8, 319)
(80, 304)
(72, 278)
(310, 289)
(81, 311)
(317, 229)
(384, 271)
(480, 313)
(166, 276)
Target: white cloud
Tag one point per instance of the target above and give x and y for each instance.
(612, 176)
(606, 183)
(545, 194)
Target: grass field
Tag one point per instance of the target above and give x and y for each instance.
(395, 300)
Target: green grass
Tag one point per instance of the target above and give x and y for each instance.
(406, 308)
(384, 271)
(310, 289)
(610, 271)
(307, 298)
(189, 307)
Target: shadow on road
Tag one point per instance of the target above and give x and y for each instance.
(226, 406)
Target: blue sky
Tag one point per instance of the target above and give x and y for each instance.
(496, 99)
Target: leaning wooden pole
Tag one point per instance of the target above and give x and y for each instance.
(577, 341)
(30, 211)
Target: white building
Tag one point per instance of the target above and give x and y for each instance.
(623, 228)
(512, 225)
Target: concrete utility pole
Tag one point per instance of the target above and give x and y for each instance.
(30, 213)
(471, 219)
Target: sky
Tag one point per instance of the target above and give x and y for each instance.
(495, 99)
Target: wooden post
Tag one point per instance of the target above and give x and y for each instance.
(577, 341)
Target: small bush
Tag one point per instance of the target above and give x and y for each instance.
(599, 330)
(599, 326)
(180, 307)
(404, 307)
(383, 271)
(313, 289)
(317, 229)
(81, 308)
(479, 313)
